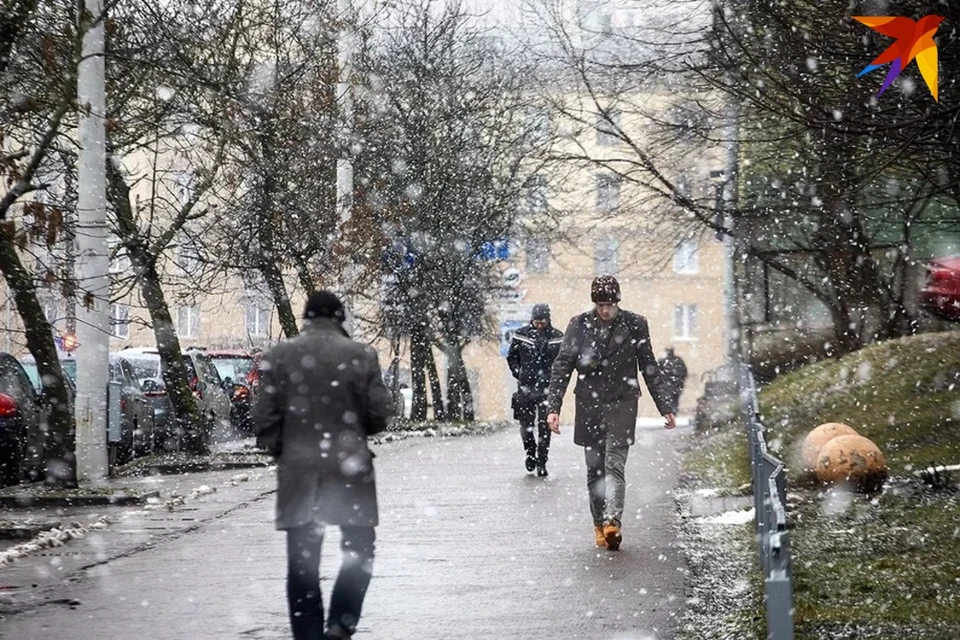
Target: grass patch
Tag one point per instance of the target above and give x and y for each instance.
(887, 567)
(902, 394)
(883, 568)
(720, 460)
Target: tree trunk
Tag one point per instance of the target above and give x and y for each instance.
(194, 427)
(185, 410)
(278, 291)
(60, 445)
(459, 395)
(268, 262)
(395, 377)
(418, 347)
(436, 393)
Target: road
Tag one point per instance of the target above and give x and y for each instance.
(470, 546)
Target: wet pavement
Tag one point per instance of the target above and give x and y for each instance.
(470, 546)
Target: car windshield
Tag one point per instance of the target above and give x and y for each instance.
(145, 368)
(69, 367)
(233, 367)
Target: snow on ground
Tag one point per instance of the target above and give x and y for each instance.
(730, 517)
(51, 539)
(720, 556)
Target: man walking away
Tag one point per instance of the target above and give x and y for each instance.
(607, 346)
(674, 372)
(532, 352)
(321, 395)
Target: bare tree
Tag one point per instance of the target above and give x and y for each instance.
(456, 150)
(816, 150)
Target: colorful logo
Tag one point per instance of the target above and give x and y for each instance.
(913, 40)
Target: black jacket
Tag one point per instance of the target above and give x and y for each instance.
(608, 371)
(674, 372)
(531, 357)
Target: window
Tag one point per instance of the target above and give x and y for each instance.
(605, 23)
(254, 284)
(184, 186)
(686, 260)
(120, 321)
(537, 193)
(258, 318)
(606, 256)
(685, 322)
(188, 321)
(608, 128)
(608, 192)
(119, 261)
(188, 257)
(537, 252)
(538, 125)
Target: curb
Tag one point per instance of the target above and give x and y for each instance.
(116, 500)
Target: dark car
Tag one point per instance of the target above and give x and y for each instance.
(205, 383)
(940, 295)
(132, 428)
(22, 424)
(241, 378)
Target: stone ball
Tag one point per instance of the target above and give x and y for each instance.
(852, 459)
(813, 443)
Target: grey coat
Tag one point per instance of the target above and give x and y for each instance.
(321, 395)
(608, 387)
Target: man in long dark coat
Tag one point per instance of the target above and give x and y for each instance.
(607, 346)
(321, 395)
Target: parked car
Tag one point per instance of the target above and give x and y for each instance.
(940, 295)
(133, 435)
(205, 383)
(21, 424)
(241, 379)
(135, 410)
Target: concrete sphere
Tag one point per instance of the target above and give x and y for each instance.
(813, 443)
(854, 459)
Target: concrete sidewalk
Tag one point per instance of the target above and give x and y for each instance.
(470, 547)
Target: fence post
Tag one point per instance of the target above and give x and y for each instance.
(770, 504)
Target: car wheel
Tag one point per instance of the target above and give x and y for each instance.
(10, 471)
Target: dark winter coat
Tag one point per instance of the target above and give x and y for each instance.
(531, 357)
(608, 387)
(674, 372)
(321, 395)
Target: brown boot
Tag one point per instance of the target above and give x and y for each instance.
(601, 539)
(611, 533)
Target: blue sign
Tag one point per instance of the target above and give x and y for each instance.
(506, 334)
(495, 250)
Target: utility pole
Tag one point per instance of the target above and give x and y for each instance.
(731, 327)
(93, 261)
(346, 44)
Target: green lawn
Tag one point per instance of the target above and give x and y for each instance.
(902, 394)
(883, 567)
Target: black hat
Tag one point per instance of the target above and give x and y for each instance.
(605, 289)
(540, 312)
(324, 304)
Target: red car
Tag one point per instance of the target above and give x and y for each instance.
(242, 371)
(941, 294)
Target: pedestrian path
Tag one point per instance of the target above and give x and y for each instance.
(469, 547)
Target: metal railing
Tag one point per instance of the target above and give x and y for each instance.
(770, 507)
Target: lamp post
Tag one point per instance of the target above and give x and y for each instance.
(92, 317)
(346, 44)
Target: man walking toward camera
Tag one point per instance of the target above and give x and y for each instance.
(607, 346)
(321, 395)
(532, 352)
